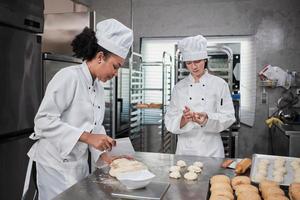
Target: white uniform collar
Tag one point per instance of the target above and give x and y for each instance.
(87, 73)
(201, 80)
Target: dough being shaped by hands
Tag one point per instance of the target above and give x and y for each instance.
(190, 176)
(175, 174)
(181, 163)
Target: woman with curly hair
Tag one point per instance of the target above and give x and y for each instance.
(69, 120)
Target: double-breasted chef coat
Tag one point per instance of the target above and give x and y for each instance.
(73, 103)
(211, 95)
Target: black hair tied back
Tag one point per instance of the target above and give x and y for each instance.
(85, 44)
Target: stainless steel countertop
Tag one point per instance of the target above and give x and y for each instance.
(99, 184)
(289, 129)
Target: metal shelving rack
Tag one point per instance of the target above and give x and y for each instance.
(141, 117)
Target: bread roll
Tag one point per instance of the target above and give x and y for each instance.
(272, 191)
(239, 180)
(267, 183)
(249, 196)
(218, 197)
(294, 191)
(243, 165)
(219, 179)
(245, 188)
(223, 193)
(221, 186)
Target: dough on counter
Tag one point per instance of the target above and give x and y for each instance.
(190, 176)
(264, 161)
(219, 179)
(125, 165)
(175, 174)
(198, 164)
(181, 163)
(194, 168)
(174, 168)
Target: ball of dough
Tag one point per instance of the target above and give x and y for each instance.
(194, 168)
(248, 196)
(175, 174)
(190, 176)
(219, 179)
(198, 164)
(262, 167)
(174, 168)
(297, 179)
(181, 163)
(277, 173)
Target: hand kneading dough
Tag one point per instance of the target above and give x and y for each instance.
(125, 165)
(190, 176)
(181, 163)
(194, 168)
(198, 164)
(175, 174)
(174, 168)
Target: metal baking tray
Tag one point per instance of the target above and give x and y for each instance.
(287, 179)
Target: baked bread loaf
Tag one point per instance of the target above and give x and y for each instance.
(219, 179)
(221, 186)
(294, 191)
(249, 196)
(223, 193)
(243, 165)
(239, 180)
(266, 183)
(245, 188)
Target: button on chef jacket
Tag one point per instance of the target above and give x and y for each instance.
(211, 95)
(72, 104)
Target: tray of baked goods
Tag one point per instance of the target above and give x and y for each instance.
(283, 170)
(221, 187)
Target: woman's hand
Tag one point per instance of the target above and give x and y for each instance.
(200, 118)
(187, 116)
(98, 141)
(108, 159)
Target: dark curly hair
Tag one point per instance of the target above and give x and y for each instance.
(85, 45)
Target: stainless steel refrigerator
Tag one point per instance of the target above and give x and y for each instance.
(20, 87)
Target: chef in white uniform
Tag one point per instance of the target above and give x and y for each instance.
(201, 105)
(69, 120)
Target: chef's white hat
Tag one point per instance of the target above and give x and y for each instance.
(193, 48)
(114, 37)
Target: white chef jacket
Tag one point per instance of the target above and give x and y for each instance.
(72, 104)
(211, 95)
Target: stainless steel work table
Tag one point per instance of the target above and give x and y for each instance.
(292, 132)
(99, 184)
